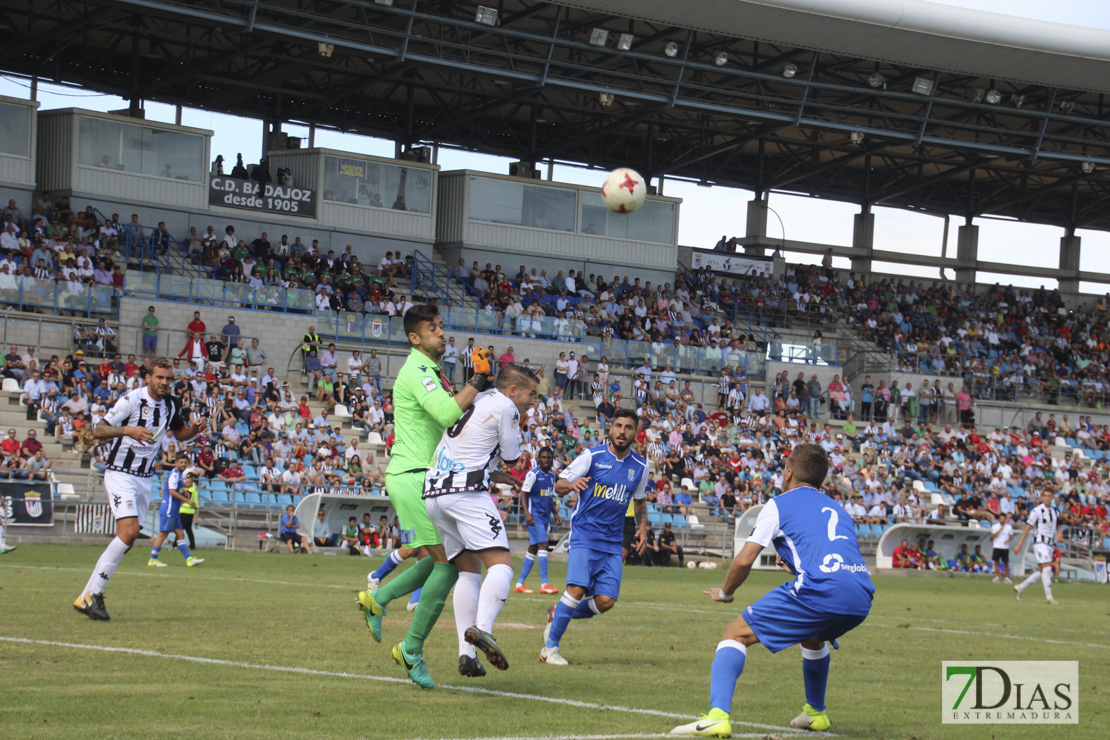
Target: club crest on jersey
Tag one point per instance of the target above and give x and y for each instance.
(429, 384)
(631, 475)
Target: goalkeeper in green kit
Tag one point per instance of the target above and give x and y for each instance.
(423, 408)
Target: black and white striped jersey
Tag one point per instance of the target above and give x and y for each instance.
(1043, 520)
(474, 446)
(137, 408)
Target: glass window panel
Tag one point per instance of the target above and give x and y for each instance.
(519, 204)
(377, 185)
(15, 130)
(140, 149)
(654, 222)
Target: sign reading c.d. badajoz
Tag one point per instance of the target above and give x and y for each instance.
(1025, 692)
(266, 197)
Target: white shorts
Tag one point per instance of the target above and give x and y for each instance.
(1043, 553)
(128, 495)
(467, 521)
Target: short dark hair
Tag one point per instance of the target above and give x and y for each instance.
(418, 314)
(547, 449)
(626, 414)
(514, 374)
(810, 464)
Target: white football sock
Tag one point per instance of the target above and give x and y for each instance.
(1033, 578)
(1046, 579)
(106, 566)
(495, 589)
(465, 604)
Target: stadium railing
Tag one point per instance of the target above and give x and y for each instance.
(141, 253)
(47, 295)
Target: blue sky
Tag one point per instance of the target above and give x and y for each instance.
(707, 213)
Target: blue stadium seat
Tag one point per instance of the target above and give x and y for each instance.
(1071, 442)
(930, 486)
(217, 492)
(655, 518)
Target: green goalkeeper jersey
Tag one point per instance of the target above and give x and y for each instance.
(422, 408)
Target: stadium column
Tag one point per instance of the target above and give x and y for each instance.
(863, 241)
(967, 252)
(1069, 265)
(756, 231)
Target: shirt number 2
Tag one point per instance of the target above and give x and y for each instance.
(834, 517)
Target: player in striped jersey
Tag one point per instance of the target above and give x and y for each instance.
(135, 424)
(456, 496)
(1044, 522)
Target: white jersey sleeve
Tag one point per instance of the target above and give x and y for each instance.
(121, 411)
(641, 487)
(578, 468)
(529, 481)
(766, 525)
(510, 431)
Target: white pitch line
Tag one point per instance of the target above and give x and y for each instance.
(989, 634)
(631, 736)
(386, 679)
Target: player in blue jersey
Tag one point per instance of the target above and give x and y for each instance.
(539, 506)
(830, 595)
(174, 493)
(605, 479)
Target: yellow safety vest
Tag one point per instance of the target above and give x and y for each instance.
(195, 496)
(309, 340)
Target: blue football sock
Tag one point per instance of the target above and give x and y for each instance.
(388, 566)
(564, 612)
(585, 609)
(526, 568)
(154, 552)
(543, 567)
(815, 671)
(183, 546)
(415, 595)
(728, 664)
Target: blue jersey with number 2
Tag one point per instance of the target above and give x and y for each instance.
(816, 537)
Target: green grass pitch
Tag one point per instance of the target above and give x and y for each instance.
(253, 645)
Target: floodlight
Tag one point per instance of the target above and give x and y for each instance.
(325, 49)
(876, 80)
(922, 86)
(720, 59)
(789, 71)
(598, 37)
(1088, 167)
(1017, 100)
(384, 2)
(993, 97)
(1067, 106)
(856, 137)
(624, 43)
(671, 49)
(485, 15)
(606, 99)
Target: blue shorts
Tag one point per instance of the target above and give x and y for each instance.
(168, 522)
(598, 572)
(780, 620)
(537, 532)
(150, 343)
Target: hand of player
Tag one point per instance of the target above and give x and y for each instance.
(641, 543)
(141, 435)
(558, 519)
(580, 485)
(200, 427)
(718, 595)
(529, 519)
(783, 564)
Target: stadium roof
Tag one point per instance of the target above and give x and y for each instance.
(857, 103)
(907, 32)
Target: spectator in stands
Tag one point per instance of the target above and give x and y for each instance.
(30, 446)
(329, 363)
(37, 466)
(13, 467)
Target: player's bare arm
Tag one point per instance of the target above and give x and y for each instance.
(640, 509)
(189, 431)
(563, 486)
(737, 573)
(104, 430)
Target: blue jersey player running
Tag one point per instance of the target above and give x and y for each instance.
(830, 595)
(606, 479)
(174, 493)
(539, 507)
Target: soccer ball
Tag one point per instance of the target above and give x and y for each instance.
(624, 190)
(691, 564)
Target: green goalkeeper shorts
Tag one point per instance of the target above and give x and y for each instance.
(404, 490)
